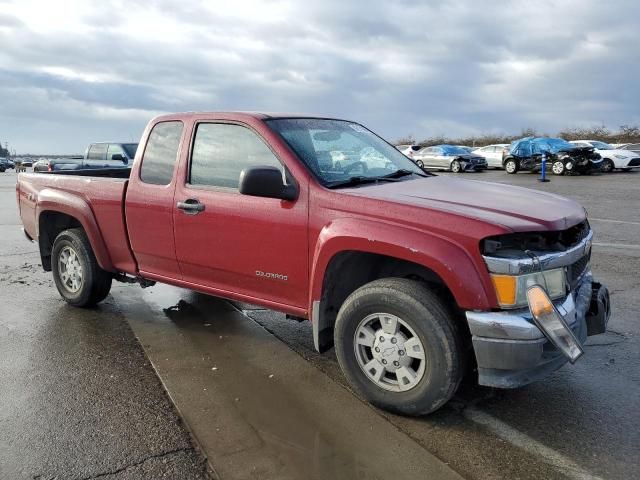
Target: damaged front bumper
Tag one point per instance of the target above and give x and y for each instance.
(512, 351)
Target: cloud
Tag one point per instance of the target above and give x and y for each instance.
(98, 71)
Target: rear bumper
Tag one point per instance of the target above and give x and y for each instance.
(510, 349)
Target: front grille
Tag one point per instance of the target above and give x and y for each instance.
(575, 270)
(634, 162)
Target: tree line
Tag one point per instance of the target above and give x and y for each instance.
(625, 134)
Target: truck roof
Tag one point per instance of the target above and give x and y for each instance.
(239, 115)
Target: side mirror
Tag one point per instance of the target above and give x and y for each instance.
(119, 156)
(266, 182)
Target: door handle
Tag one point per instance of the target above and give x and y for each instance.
(191, 206)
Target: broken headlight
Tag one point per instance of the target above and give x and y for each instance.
(511, 290)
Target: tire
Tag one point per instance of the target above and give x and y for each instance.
(430, 323)
(607, 166)
(420, 163)
(456, 167)
(93, 284)
(511, 166)
(558, 167)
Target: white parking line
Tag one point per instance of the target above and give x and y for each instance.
(617, 245)
(528, 444)
(614, 221)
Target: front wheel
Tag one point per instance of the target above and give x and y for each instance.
(398, 345)
(558, 167)
(76, 273)
(511, 166)
(607, 166)
(456, 167)
(420, 163)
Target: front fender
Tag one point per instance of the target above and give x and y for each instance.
(51, 200)
(449, 260)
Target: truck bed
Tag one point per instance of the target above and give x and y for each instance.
(99, 194)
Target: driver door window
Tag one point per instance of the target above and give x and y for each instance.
(221, 151)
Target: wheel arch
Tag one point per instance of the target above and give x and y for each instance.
(58, 211)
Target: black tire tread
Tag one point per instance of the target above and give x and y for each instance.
(422, 298)
(99, 279)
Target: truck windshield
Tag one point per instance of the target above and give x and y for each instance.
(338, 152)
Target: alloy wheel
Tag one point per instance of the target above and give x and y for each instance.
(70, 269)
(389, 352)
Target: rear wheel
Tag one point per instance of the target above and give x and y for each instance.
(76, 273)
(511, 166)
(558, 167)
(607, 166)
(456, 167)
(398, 346)
(420, 163)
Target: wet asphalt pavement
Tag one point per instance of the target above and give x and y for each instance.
(79, 399)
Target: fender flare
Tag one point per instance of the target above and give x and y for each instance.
(51, 200)
(459, 272)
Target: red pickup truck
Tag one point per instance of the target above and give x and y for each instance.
(415, 278)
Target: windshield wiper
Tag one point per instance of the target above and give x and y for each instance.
(403, 172)
(360, 180)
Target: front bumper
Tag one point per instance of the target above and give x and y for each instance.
(512, 351)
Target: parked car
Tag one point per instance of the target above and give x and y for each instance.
(22, 164)
(57, 164)
(612, 158)
(109, 155)
(449, 157)
(562, 156)
(634, 147)
(404, 272)
(410, 151)
(493, 154)
(6, 164)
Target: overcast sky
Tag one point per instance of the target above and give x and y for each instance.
(72, 72)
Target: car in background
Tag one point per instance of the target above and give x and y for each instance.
(612, 158)
(449, 157)
(466, 147)
(58, 164)
(493, 154)
(634, 147)
(562, 156)
(6, 164)
(109, 155)
(410, 151)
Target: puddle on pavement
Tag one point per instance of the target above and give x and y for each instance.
(259, 409)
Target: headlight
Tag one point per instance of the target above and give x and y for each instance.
(511, 290)
(621, 157)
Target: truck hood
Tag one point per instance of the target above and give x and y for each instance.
(514, 208)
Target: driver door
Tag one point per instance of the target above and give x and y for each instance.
(253, 246)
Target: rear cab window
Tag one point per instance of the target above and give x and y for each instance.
(161, 153)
